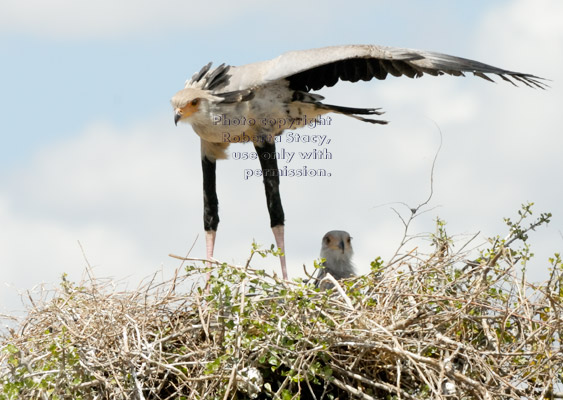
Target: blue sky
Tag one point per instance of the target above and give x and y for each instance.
(89, 151)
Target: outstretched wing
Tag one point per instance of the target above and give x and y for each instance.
(314, 69)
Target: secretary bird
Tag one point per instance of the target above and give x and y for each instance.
(278, 90)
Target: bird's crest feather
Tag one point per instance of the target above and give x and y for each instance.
(206, 80)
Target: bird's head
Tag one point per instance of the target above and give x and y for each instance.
(339, 241)
(190, 102)
(337, 251)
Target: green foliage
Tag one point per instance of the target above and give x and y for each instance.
(55, 374)
(377, 267)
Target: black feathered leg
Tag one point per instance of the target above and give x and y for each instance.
(210, 206)
(210, 201)
(270, 172)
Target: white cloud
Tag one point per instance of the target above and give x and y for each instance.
(39, 250)
(526, 34)
(122, 193)
(80, 172)
(70, 19)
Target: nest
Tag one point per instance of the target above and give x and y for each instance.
(431, 326)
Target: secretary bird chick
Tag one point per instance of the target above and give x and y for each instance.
(337, 251)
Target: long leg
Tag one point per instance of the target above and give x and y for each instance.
(210, 206)
(267, 154)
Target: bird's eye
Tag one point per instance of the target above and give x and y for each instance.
(194, 102)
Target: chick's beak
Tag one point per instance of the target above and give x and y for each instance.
(341, 245)
(177, 117)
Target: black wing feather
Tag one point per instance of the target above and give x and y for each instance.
(410, 63)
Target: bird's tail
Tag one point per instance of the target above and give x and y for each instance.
(354, 112)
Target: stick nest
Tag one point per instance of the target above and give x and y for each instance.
(433, 326)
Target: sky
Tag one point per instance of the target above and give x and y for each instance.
(93, 170)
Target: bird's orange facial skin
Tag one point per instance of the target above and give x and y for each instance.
(188, 109)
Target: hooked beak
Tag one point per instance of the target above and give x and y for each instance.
(341, 245)
(177, 117)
